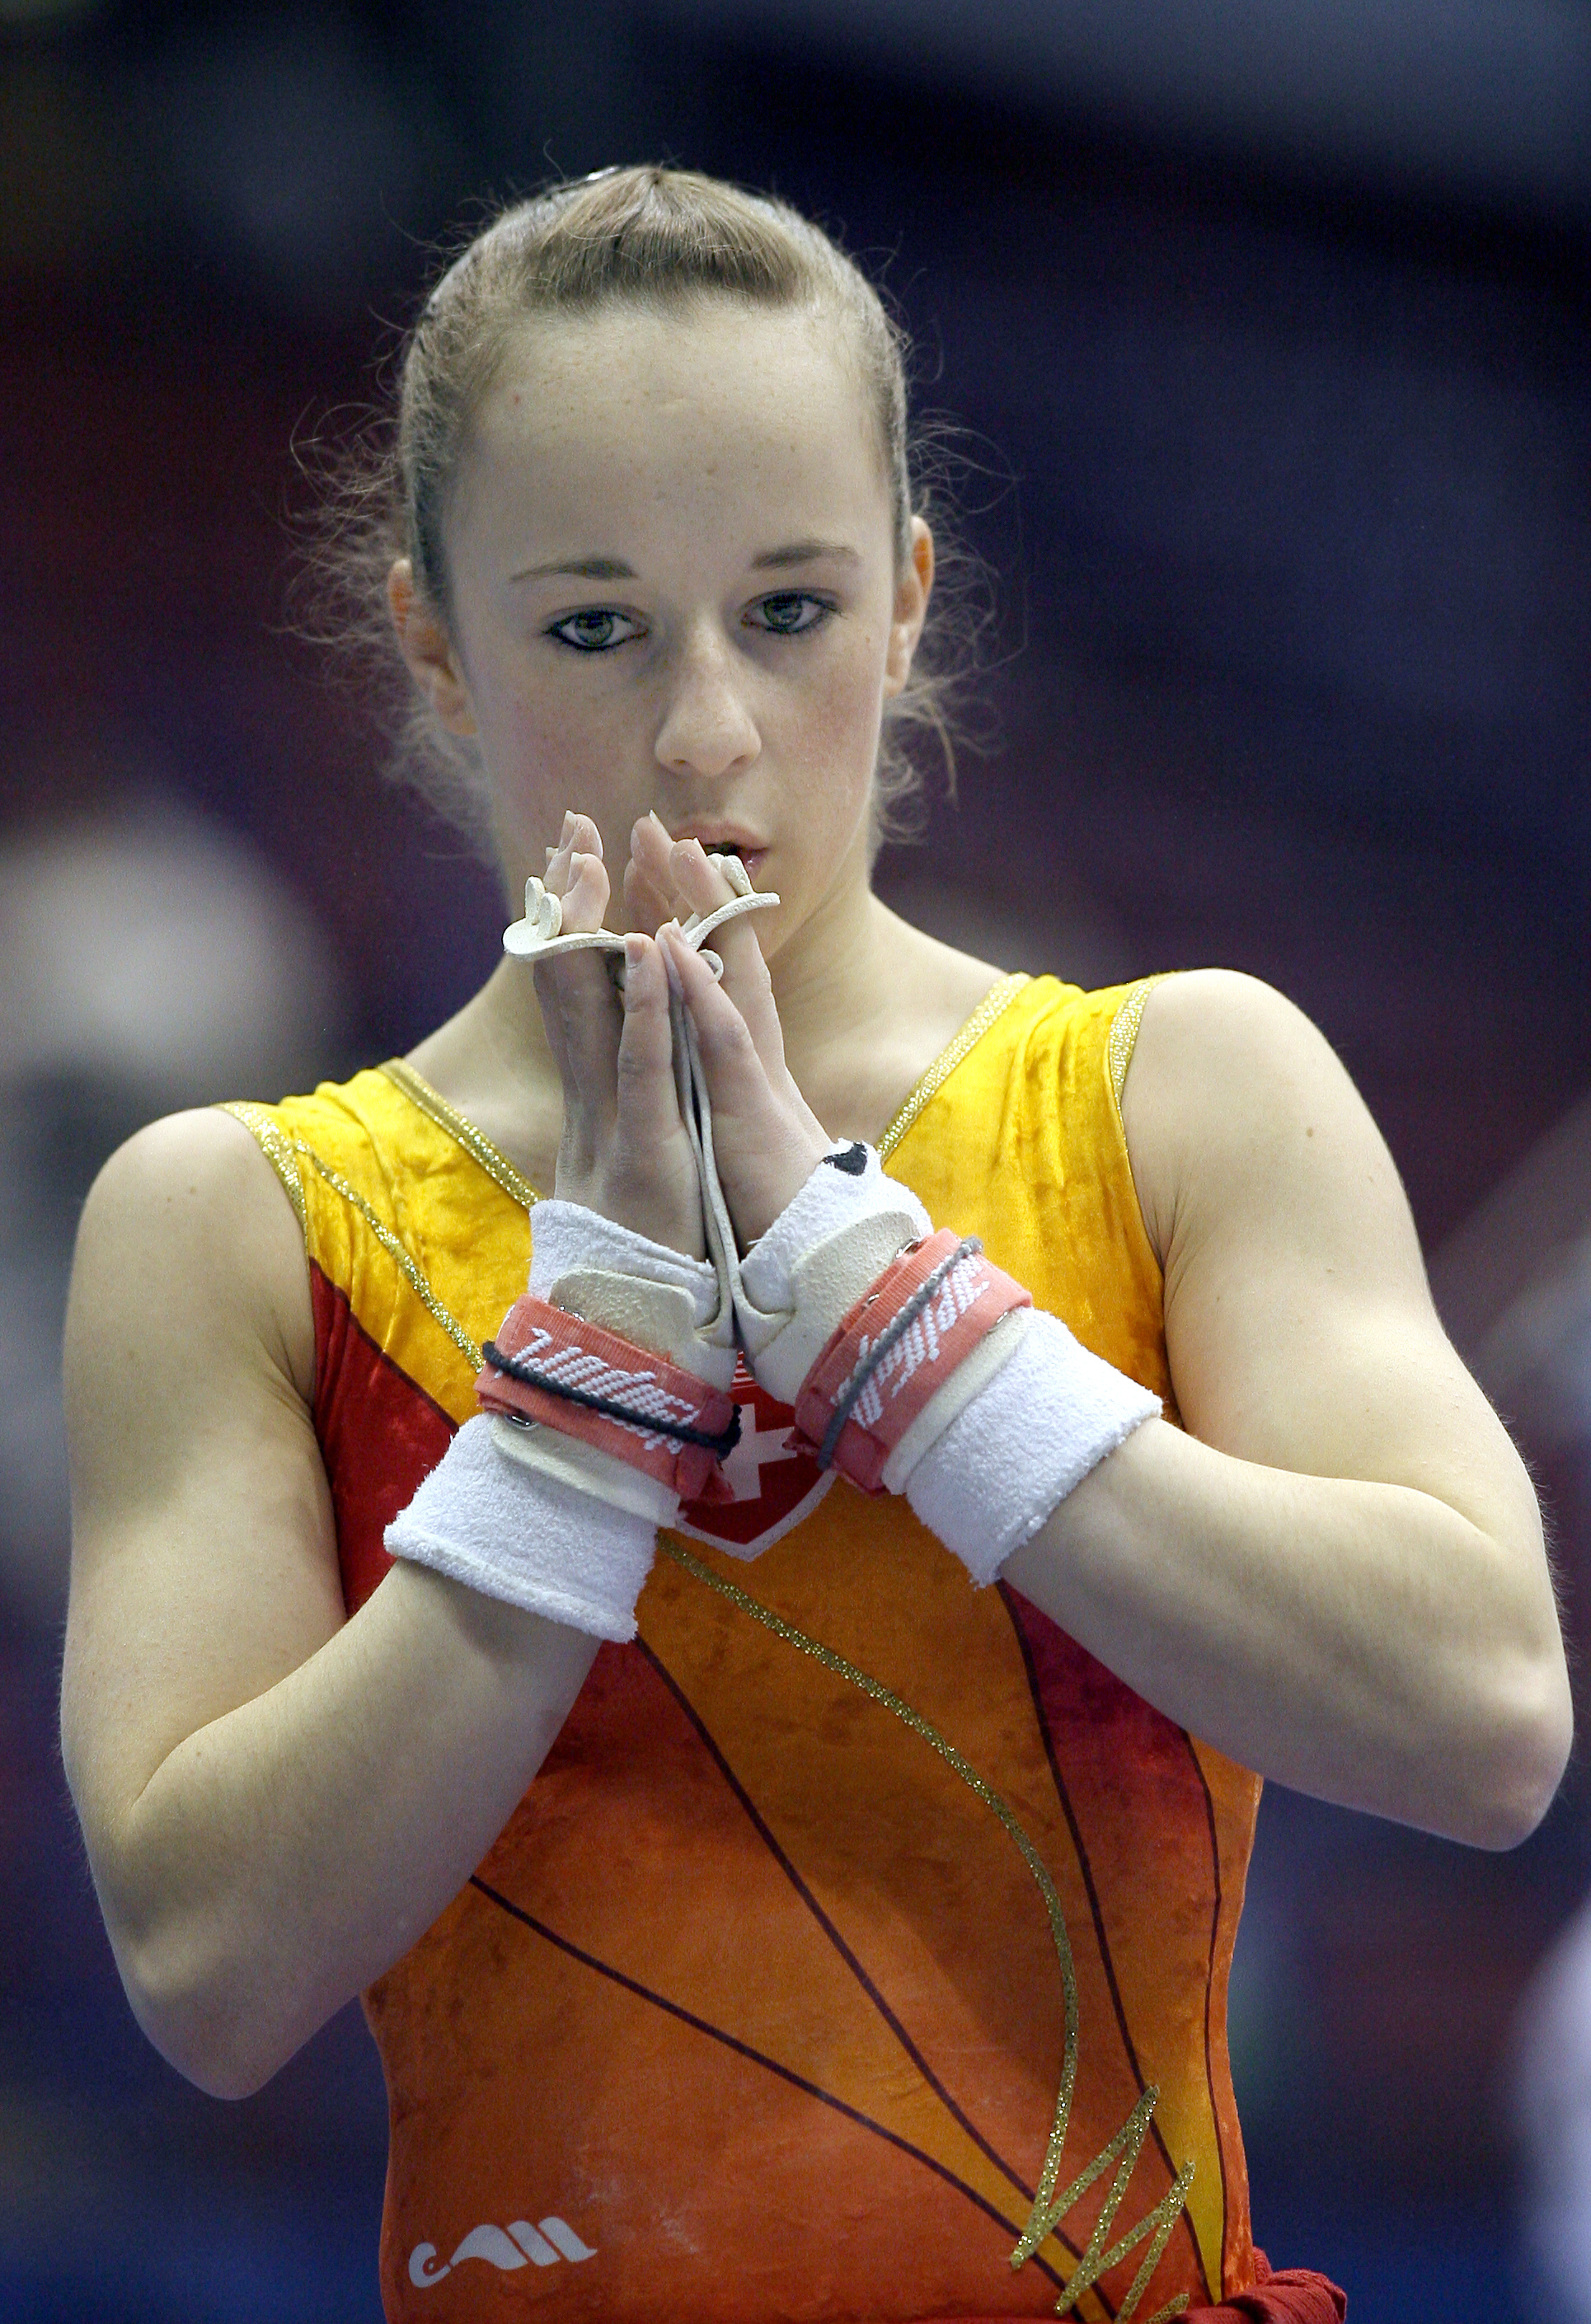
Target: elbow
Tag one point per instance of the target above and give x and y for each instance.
(205, 1987)
(225, 2041)
(1528, 1735)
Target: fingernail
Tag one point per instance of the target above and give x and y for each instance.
(634, 954)
(654, 817)
(569, 823)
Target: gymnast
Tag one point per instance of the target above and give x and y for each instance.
(730, 1541)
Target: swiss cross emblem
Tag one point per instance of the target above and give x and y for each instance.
(773, 1488)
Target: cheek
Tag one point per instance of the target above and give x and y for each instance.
(846, 713)
(531, 739)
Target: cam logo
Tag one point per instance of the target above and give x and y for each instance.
(519, 2244)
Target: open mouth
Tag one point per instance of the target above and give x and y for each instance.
(751, 857)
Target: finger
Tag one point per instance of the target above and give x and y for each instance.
(649, 848)
(580, 1006)
(681, 870)
(584, 897)
(648, 1100)
(580, 883)
(737, 1078)
(684, 880)
(580, 836)
(703, 888)
(646, 905)
(766, 1138)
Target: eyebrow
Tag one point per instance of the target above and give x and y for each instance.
(588, 568)
(615, 568)
(804, 552)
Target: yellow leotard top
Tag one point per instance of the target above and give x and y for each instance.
(757, 2007)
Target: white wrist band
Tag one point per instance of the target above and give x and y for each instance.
(527, 1536)
(526, 1514)
(1015, 1450)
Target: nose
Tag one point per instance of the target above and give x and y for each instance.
(708, 728)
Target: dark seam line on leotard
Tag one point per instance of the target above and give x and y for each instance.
(1209, 2071)
(833, 1934)
(1093, 1894)
(758, 2058)
(391, 1361)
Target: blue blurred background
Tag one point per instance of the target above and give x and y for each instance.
(1269, 324)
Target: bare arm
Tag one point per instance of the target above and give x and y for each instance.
(1337, 1575)
(276, 1800)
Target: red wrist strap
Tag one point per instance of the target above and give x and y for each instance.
(958, 1297)
(655, 1409)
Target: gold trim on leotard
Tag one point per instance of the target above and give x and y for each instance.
(994, 1004)
(1123, 1034)
(277, 1147)
(392, 1246)
(286, 1155)
(474, 1142)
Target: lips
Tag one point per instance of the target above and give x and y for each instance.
(728, 842)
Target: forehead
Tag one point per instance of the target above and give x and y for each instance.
(641, 411)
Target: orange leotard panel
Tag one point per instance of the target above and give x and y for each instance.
(757, 2007)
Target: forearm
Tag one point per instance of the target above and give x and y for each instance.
(287, 1852)
(1363, 1642)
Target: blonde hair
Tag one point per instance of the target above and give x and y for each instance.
(634, 234)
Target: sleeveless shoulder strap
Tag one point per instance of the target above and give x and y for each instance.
(1124, 1034)
(406, 1224)
(264, 1127)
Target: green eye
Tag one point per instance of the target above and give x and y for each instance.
(597, 630)
(790, 612)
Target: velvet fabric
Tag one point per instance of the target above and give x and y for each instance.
(756, 1999)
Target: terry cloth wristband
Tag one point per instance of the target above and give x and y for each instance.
(1013, 1451)
(528, 1536)
(528, 1513)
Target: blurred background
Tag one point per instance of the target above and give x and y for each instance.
(1268, 324)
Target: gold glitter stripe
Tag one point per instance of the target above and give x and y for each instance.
(1123, 1034)
(395, 1251)
(1048, 2210)
(994, 1004)
(479, 1148)
(277, 1147)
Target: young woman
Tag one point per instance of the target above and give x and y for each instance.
(770, 1897)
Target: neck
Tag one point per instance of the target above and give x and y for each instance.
(829, 978)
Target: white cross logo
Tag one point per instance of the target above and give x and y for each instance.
(744, 1467)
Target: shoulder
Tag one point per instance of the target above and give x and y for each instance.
(191, 1224)
(1238, 1107)
(1205, 1034)
(198, 1170)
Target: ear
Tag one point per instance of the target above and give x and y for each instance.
(913, 591)
(427, 648)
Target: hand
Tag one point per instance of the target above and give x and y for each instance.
(623, 1150)
(766, 1139)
